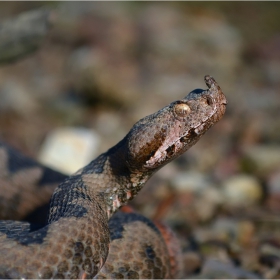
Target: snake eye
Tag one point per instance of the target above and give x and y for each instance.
(182, 109)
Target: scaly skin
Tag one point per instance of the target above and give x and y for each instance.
(137, 250)
(156, 250)
(25, 186)
(75, 242)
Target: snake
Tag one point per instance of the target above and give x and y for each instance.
(82, 236)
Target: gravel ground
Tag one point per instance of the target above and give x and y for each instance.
(94, 68)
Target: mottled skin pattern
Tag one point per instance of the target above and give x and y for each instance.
(75, 242)
(32, 186)
(133, 255)
(156, 251)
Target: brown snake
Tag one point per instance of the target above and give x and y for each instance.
(75, 241)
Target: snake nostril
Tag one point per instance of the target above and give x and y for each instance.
(209, 100)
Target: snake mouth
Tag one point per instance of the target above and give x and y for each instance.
(169, 151)
(179, 144)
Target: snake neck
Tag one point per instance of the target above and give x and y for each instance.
(108, 181)
(112, 179)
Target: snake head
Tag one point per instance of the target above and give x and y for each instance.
(159, 138)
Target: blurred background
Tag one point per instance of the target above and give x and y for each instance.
(75, 76)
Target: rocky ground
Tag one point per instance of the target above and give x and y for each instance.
(101, 66)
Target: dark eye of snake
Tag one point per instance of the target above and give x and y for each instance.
(182, 109)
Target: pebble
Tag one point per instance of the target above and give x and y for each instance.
(242, 190)
(192, 262)
(207, 203)
(224, 228)
(273, 190)
(15, 96)
(274, 183)
(213, 195)
(265, 158)
(81, 59)
(213, 268)
(198, 186)
(191, 181)
(246, 233)
(22, 35)
(69, 149)
(270, 249)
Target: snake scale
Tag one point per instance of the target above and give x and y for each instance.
(82, 238)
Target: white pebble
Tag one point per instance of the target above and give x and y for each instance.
(242, 190)
(69, 149)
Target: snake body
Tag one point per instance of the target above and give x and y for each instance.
(25, 186)
(75, 241)
(133, 257)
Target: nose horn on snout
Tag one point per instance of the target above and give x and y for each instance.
(212, 84)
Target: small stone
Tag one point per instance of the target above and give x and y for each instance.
(270, 247)
(242, 190)
(213, 195)
(208, 210)
(273, 190)
(246, 233)
(24, 34)
(274, 184)
(193, 182)
(192, 262)
(225, 228)
(15, 96)
(264, 158)
(217, 269)
(69, 149)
